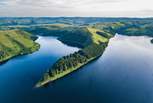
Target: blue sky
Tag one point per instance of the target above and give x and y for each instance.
(100, 8)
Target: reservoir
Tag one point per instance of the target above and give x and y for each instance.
(123, 74)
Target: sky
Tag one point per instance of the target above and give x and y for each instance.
(94, 8)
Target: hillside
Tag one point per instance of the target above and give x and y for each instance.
(93, 46)
(16, 42)
(134, 28)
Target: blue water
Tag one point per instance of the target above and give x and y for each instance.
(19, 75)
(124, 74)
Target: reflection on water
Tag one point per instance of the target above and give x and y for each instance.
(124, 74)
(19, 75)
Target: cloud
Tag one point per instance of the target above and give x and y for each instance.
(75, 7)
(58, 3)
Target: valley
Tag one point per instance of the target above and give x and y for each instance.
(79, 59)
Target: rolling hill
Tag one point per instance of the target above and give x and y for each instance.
(16, 42)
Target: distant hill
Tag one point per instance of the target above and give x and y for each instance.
(8, 21)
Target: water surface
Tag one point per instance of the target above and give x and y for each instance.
(19, 75)
(124, 74)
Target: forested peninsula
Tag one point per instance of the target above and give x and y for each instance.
(92, 46)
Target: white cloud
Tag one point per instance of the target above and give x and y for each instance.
(76, 8)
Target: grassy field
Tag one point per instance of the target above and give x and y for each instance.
(14, 43)
(96, 37)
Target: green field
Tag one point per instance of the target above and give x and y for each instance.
(14, 43)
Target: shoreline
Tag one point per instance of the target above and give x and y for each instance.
(13, 56)
(65, 73)
(68, 64)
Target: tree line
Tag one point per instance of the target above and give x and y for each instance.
(73, 60)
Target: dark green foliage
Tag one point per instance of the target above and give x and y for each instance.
(76, 36)
(103, 34)
(80, 57)
(2, 53)
(67, 62)
(73, 36)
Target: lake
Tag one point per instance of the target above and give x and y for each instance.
(123, 74)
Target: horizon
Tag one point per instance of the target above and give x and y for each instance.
(107, 17)
(73, 8)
